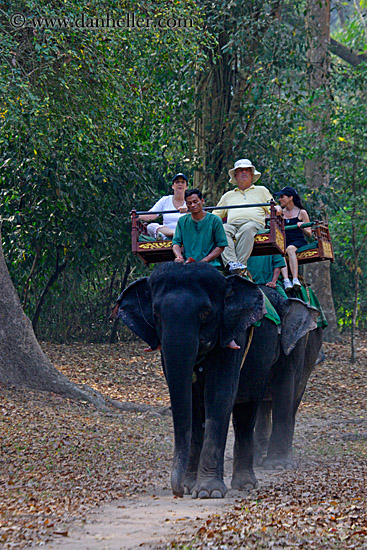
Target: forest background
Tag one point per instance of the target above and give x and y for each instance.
(95, 121)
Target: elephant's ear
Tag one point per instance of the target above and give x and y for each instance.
(297, 320)
(243, 306)
(137, 313)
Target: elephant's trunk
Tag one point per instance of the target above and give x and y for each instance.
(179, 359)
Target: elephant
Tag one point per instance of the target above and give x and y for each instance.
(287, 383)
(298, 346)
(192, 312)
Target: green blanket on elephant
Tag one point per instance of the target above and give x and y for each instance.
(270, 314)
(306, 295)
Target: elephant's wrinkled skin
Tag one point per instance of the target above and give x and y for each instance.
(193, 312)
(298, 322)
(287, 383)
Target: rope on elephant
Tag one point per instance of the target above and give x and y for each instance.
(248, 346)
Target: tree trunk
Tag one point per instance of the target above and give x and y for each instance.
(58, 270)
(316, 168)
(123, 285)
(213, 97)
(353, 355)
(318, 276)
(223, 86)
(22, 362)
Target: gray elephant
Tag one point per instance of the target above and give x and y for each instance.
(287, 383)
(285, 373)
(193, 312)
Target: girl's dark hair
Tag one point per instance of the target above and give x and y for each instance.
(297, 201)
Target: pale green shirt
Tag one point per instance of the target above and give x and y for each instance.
(253, 195)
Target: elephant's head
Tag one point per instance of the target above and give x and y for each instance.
(189, 310)
(179, 300)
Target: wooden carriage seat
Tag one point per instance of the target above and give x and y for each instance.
(320, 249)
(268, 241)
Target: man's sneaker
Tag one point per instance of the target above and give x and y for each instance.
(288, 286)
(235, 267)
(161, 237)
(296, 284)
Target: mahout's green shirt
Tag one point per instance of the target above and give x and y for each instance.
(262, 269)
(199, 238)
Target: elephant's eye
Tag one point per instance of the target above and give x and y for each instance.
(205, 314)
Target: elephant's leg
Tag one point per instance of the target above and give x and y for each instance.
(244, 416)
(220, 390)
(262, 431)
(314, 343)
(197, 436)
(179, 381)
(288, 385)
(313, 347)
(280, 443)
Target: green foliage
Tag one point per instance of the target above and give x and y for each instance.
(95, 121)
(353, 31)
(349, 154)
(89, 127)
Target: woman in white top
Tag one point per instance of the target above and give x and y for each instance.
(169, 202)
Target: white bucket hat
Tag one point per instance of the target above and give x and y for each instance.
(243, 163)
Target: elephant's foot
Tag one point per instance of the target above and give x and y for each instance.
(178, 491)
(244, 480)
(259, 455)
(177, 482)
(214, 488)
(259, 459)
(189, 483)
(278, 463)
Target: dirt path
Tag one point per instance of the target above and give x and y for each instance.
(142, 522)
(72, 477)
(155, 519)
(152, 520)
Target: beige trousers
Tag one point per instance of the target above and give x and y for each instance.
(240, 236)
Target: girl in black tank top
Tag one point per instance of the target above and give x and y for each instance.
(294, 214)
(294, 236)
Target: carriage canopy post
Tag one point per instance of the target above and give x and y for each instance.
(134, 231)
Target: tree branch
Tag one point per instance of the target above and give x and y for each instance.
(347, 54)
(59, 268)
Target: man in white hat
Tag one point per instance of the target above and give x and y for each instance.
(243, 223)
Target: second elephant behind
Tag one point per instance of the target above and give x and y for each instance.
(287, 383)
(296, 346)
